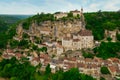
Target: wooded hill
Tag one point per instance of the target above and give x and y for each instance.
(99, 21)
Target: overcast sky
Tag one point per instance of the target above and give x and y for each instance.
(51, 6)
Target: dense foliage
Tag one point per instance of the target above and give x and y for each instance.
(118, 36)
(8, 25)
(3, 26)
(5, 36)
(14, 70)
(87, 55)
(104, 70)
(108, 49)
(98, 22)
(38, 19)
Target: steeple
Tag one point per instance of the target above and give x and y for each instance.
(82, 19)
(81, 10)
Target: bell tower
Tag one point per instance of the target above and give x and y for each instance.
(82, 19)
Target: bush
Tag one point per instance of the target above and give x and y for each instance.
(104, 70)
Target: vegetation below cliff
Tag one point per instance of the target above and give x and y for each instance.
(14, 70)
(108, 49)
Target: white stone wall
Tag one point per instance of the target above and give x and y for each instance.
(59, 50)
(76, 45)
(85, 42)
(61, 15)
(67, 43)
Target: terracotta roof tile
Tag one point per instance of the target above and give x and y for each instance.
(85, 33)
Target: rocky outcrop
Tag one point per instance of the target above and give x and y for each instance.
(19, 31)
(56, 28)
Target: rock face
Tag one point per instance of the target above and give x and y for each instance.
(55, 29)
(19, 31)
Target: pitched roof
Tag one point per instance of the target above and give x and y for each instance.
(85, 32)
(112, 69)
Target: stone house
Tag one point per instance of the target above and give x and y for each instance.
(60, 15)
(67, 43)
(111, 34)
(76, 12)
(83, 39)
(60, 49)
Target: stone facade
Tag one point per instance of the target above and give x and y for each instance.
(111, 34)
(76, 12)
(64, 14)
(60, 15)
(83, 39)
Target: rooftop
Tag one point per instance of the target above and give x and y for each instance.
(85, 32)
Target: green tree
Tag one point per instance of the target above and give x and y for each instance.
(26, 25)
(72, 74)
(109, 26)
(102, 78)
(109, 38)
(118, 36)
(108, 49)
(34, 47)
(87, 55)
(70, 14)
(104, 70)
(24, 43)
(25, 35)
(13, 78)
(0, 53)
(14, 43)
(44, 49)
(48, 69)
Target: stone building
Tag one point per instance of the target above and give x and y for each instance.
(111, 34)
(79, 39)
(76, 12)
(83, 39)
(60, 15)
(59, 49)
(64, 14)
(86, 38)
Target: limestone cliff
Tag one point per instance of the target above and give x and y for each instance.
(55, 28)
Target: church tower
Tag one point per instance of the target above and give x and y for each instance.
(82, 19)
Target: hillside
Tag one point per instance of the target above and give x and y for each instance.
(99, 21)
(23, 39)
(8, 20)
(8, 23)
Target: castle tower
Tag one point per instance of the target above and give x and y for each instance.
(82, 19)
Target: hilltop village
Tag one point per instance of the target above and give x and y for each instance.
(62, 44)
